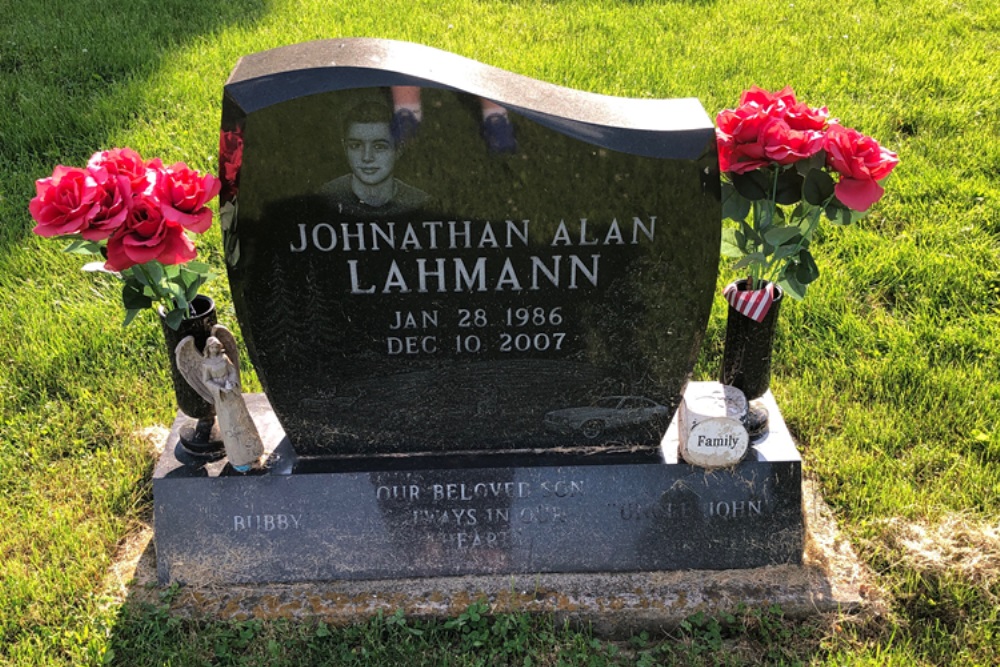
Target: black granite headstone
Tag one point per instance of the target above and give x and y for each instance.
(474, 333)
(539, 280)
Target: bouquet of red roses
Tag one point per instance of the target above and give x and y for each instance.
(784, 165)
(135, 214)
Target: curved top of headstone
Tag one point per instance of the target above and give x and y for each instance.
(648, 127)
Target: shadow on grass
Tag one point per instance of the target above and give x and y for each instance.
(73, 74)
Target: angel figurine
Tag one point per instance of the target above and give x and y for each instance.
(215, 375)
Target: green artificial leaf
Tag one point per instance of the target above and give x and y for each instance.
(83, 247)
(754, 185)
(784, 252)
(155, 271)
(818, 187)
(816, 161)
(179, 295)
(792, 287)
(201, 268)
(192, 280)
(764, 217)
(174, 318)
(171, 271)
(750, 236)
(789, 189)
(134, 275)
(752, 258)
(806, 271)
(810, 220)
(734, 205)
(730, 245)
(833, 211)
(130, 314)
(839, 215)
(857, 215)
(201, 277)
(185, 277)
(192, 289)
(779, 236)
(134, 297)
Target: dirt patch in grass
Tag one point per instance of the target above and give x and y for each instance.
(124, 565)
(957, 545)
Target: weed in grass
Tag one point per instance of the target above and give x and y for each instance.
(472, 626)
(233, 640)
(745, 636)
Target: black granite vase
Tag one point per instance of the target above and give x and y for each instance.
(199, 435)
(746, 359)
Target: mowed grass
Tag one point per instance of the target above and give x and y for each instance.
(887, 374)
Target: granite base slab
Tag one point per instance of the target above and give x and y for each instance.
(830, 581)
(521, 513)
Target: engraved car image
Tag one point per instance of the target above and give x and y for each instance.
(610, 413)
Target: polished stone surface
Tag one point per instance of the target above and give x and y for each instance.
(545, 291)
(405, 516)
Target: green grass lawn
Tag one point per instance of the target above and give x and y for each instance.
(887, 373)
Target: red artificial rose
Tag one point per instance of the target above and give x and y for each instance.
(740, 158)
(743, 146)
(126, 162)
(768, 128)
(778, 101)
(114, 202)
(801, 116)
(861, 163)
(744, 123)
(148, 235)
(65, 202)
(784, 145)
(183, 194)
(738, 133)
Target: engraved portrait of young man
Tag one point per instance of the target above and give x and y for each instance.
(371, 190)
